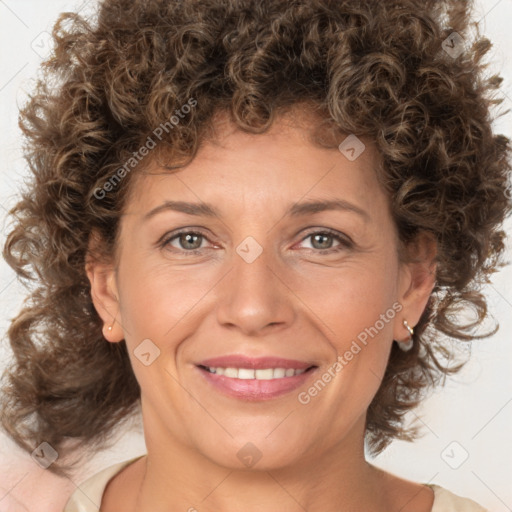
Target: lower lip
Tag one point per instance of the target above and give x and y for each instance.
(254, 389)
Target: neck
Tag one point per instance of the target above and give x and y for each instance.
(178, 477)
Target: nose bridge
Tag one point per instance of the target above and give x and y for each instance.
(252, 295)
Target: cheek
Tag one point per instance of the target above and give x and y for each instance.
(359, 307)
(352, 299)
(158, 301)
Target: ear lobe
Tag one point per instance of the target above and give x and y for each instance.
(104, 296)
(418, 279)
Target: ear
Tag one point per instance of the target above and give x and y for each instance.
(416, 282)
(104, 293)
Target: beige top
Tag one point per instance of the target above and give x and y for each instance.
(87, 497)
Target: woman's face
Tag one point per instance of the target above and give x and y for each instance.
(262, 277)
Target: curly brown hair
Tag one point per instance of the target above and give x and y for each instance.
(379, 70)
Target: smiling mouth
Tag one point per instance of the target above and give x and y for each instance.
(256, 374)
(270, 380)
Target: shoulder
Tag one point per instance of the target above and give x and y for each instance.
(88, 496)
(446, 501)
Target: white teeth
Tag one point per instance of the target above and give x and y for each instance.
(245, 373)
(259, 374)
(279, 373)
(231, 372)
(265, 374)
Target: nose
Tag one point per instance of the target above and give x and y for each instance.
(254, 297)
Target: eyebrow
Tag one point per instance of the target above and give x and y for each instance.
(295, 210)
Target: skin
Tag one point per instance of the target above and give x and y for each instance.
(293, 301)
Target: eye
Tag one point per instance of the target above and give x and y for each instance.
(187, 241)
(323, 241)
(191, 241)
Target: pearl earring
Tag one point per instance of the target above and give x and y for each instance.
(406, 345)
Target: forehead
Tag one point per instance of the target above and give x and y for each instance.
(283, 164)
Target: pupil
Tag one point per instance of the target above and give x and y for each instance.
(324, 237)
(187, 240)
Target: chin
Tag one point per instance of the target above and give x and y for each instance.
(254, 454)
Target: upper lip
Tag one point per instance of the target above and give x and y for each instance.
(240, 361)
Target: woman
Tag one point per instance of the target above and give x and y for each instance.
(255, 220)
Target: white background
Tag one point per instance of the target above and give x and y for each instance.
(470, 417)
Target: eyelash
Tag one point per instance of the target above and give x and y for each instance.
(345, 243)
